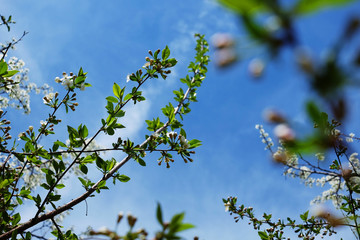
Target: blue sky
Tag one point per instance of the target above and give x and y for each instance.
(110, 40)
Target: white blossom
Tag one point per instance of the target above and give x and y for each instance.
(320, 156)
(304, 172)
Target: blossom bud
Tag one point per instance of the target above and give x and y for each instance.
(225, 57)
(104, 231)
(147, 59)
(284, 132)
(346, 174)
(120, 216)
(31, 128)
(273, 116)
(150, 52)
(222, 40)
(304, 61)
(131, 220)
(256, 68)
(280, 157)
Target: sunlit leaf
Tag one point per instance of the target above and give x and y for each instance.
(244, 7)
(309, 6)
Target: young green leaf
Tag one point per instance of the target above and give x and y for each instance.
(165, 53)
(123, 178)
(117, 91)
(159, 214)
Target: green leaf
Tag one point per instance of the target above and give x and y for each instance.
(72, 131)
(117, 91)
(263, 235)
(120, 113)
(159, 214)
(102, 184)
(244, 7)
(141, 162)
(3, 67)
(28, 236)
(185, 226)
(61, 144)
(309, 6)
(304, 216)
(165, 53)
(194, 143)
(83, 181)
(177, 218)
(110, 164)
(80, 79)
(110, 131)
(100, 162)
(24, 192)
(16, 218)
(172, 61)
(5, 183)
(85, 131)
(313, 111)
(45, 186)
(182, 132)
(55, 198)
(88, 159)
(60, 186)
(83, 168)
(10, 73)
(128, 96)
(112, 99)
(123, 178)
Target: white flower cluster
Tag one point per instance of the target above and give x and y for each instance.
(333, 193)
(354, 162)
(16, 94)
(6, 45)
(320, 156)
(265, 136)
(68, 81)
(304, 172)
(183, 141)
(336, 184)
(350, 138)
(48, 97)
